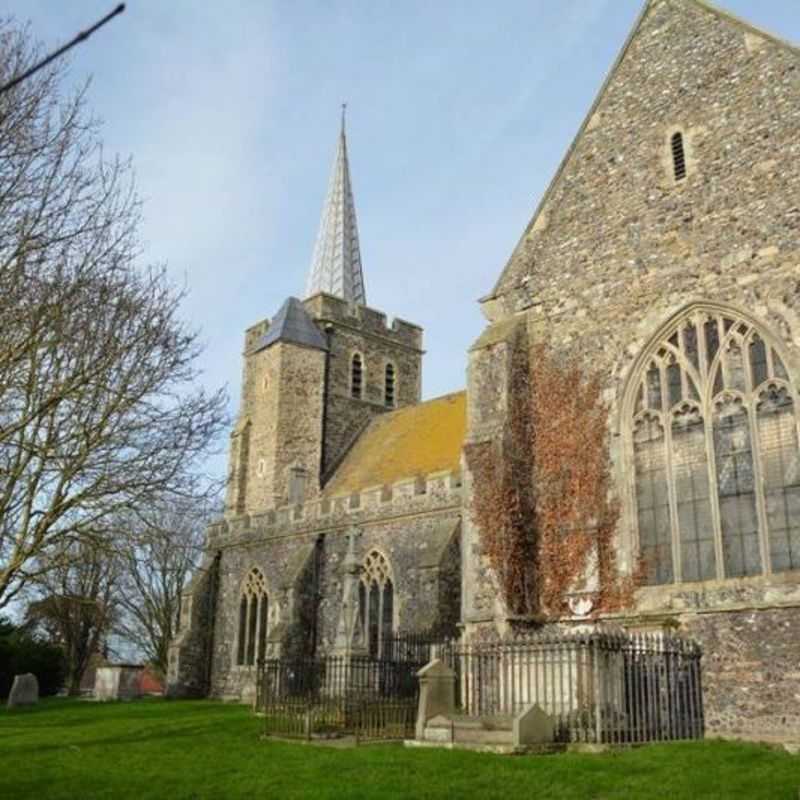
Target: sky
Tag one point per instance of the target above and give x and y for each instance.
(458, 115)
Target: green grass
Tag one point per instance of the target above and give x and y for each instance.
(202, 749)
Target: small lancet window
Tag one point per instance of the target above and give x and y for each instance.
(678, 156)
(356, 377)
(389, 381)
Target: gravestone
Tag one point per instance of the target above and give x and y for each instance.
(533, 726)
(118, 682)
(24, 691)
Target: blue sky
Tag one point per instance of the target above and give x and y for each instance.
(458, 114)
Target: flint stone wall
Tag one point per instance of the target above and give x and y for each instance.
(751, 673)
(419, 534)
(346, 417)
(189, 659)
(617, 249)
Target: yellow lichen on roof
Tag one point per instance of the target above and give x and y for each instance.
(407, 443)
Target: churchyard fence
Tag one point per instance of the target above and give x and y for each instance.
(608, 687)
(602, 687)
(361, 696)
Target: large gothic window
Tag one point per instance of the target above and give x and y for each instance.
(714, 438)
(376, 603)
(253, 607)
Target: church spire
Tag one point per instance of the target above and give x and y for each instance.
(336, 265)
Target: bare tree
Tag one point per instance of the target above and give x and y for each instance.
(154, 573)
(77, 605)
(100, 408)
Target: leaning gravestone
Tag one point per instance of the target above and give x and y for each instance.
(24, 691)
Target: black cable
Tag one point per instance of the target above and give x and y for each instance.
(82, 36)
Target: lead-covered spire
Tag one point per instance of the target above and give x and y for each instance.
(336, 265)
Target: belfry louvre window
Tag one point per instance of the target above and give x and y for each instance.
(253, 607)
(678, 156)
(376, 603)
(356, 377)
(388, 386)
(714, 439)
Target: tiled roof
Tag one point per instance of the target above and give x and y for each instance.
(410, 442)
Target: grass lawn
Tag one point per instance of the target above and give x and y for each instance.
(203, 749)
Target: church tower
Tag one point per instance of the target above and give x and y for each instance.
(319, 371)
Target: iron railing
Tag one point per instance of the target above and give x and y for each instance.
(365, 697)
(605, 687)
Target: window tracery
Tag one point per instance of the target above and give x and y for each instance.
(714, 441)
(376, 603)
(253, 609)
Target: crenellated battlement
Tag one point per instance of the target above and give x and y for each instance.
(328, 308)
(410, 496)
(254, 333)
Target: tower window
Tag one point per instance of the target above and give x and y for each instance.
(678, 156)
(388, 387)
(356, 377)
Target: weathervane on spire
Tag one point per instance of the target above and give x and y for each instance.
(344, 112)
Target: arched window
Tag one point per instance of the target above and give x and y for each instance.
(714, 440)
(356, 376)
(253, 607)
(376, 603)
(389, 386)
(678, 156)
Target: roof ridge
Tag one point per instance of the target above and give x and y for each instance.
(646, 8)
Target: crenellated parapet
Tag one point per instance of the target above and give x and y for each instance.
(421, 495)
(326, 308)
(254, 333)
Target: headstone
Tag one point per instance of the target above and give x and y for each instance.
(533, 726)
(437, 694)
(24, 691)
(119, 682)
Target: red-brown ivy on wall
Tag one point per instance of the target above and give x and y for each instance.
(541, 494)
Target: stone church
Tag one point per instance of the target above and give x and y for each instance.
(666, 251)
